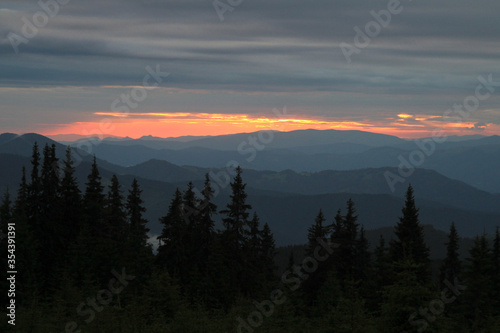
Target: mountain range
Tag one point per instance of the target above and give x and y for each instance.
(472, 159)
(288, 198)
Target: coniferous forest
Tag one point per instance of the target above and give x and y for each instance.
(84, 264)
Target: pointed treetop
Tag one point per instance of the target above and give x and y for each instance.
(410, 208)
(208, 192)
(320, 218)
(410, 243)
(94, 178)
(237, 209)
(22, 192)
(351, 211)
(69, 181)
(451, 266)
(35, 162)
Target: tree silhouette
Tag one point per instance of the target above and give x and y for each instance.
(234, 235)
(451, 267)
(409, 243)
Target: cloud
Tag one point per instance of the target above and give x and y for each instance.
(479, 126)
(277, 46)
(284, 52)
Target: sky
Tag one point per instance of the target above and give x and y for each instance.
(182, 67)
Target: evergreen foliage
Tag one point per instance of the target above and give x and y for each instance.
(410, 244)
(74, 247)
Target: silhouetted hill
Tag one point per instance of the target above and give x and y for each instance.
(23, 144)
(289, 215)
(475, 161)
(287, 200)
(298, 138)
(430, 184)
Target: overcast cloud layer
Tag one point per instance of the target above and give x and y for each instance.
(264, 54)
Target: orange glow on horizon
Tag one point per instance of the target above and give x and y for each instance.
(161, 124)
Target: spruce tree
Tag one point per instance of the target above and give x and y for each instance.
(71, 200)
(268, 251)
(171, 251)
(115, 210)
(451, 266)
(190, 209)
(70, 222)
(362, 263)
(140, 255)
(114, 228)
(52, 236)
(93, 201)
(337, 228)
(233, 236)
(317, 235)
(35, 168)
(34, 216)
(71, 211)
(21, 203)
(347, 240)
(405, 300)
(202, 243)
(90, 263)
(49, 180)
(34, 193)
(27, 253)
(135, 210)
(252, 275)
(410, 243)
(477, 296)
(205, 230)
(451, 273)
(236, 213)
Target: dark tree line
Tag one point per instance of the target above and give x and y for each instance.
(215, 267)
(69, 241)
(65, 234)
(393, 289)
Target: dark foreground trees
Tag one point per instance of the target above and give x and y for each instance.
(85, 264)
(191, 250)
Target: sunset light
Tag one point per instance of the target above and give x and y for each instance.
(163, 124)
(250, 166)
